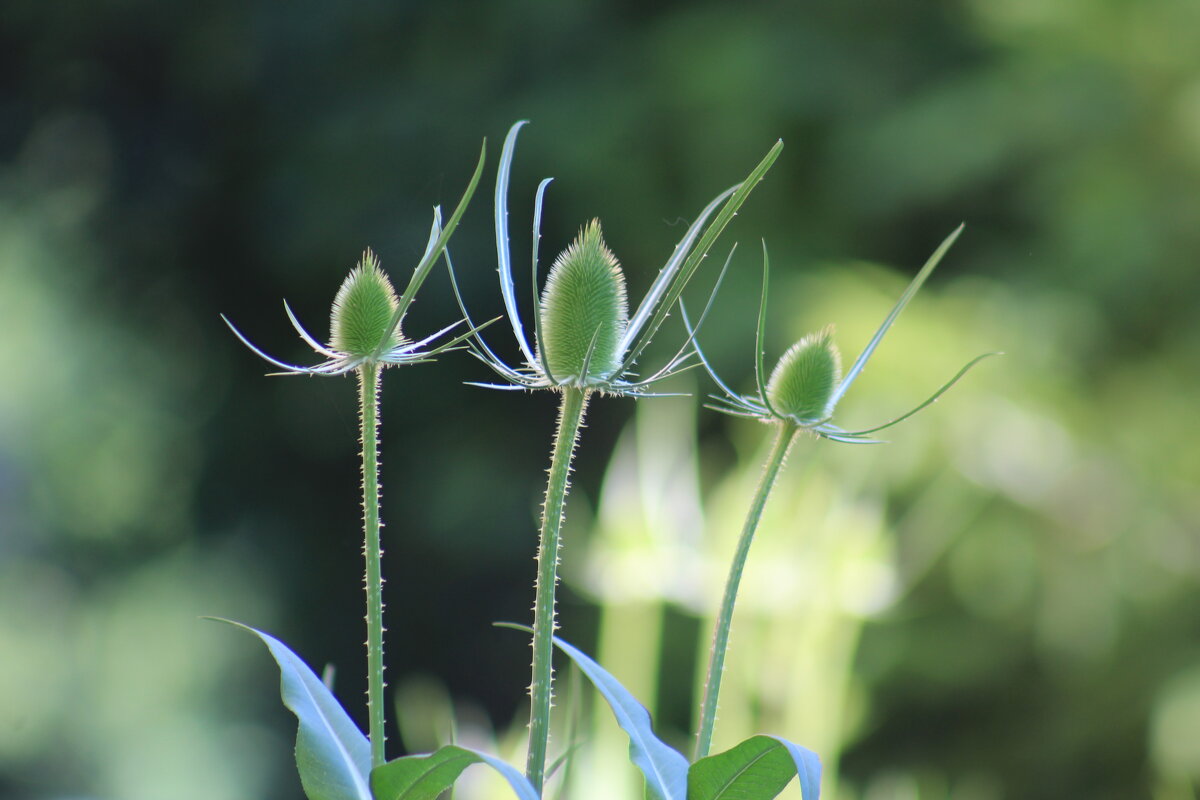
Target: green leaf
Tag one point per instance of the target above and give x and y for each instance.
(665, 768)
(424, 777)
(757, 769)
(332, 755)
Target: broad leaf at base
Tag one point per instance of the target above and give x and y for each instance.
(665, 768)
(332, 754)
(426, 777)
(757, 769)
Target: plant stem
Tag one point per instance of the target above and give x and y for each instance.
(570, 420)
(716, 665)
(368, 377)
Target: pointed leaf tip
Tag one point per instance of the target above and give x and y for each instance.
(665, 768)
(332, 755)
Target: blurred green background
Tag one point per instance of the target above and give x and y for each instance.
(1001, 603)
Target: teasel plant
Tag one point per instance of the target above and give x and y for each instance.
(367, 336)
(584, 342)
(800, 395)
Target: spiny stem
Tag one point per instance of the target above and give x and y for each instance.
(716, 664)
(570, 419)
(368, 383)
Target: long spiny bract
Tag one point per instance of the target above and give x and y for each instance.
(584, 350)
(584, 342)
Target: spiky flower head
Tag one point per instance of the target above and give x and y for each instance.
(366, 317)
(803, 382)
(363, 311)
(585, 336)
(584, 311)
(806, 384)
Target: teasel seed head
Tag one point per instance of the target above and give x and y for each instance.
(803, 381)
(363, 310)
(584, 312)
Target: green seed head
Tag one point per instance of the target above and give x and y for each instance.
(804, 379)
(584, 302)
(363, 310)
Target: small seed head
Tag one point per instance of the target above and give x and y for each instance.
(804, 379)
(584, 302)
(363, 310)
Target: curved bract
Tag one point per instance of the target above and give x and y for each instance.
(584, 342)
(366, 317)
(365, 337)
(801, 395)
(805, 386)
(585, 314)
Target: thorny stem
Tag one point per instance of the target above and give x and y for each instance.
(716, 663)
(570, 420)
(368, 382)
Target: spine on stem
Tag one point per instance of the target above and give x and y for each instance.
(786, 433)
(368, 375)
(570, 420)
